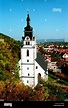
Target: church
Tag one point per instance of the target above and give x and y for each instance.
(32, 63)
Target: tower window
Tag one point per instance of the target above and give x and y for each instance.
(36, 67)
(27, 81)
(27, 60)
(28, 74)
(27, 52)
(26, 43)
(27, 68)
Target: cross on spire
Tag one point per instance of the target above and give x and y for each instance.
(27, 11)
(28, 19)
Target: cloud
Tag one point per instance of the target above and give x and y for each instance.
(33, 29)
(10, 10)
(45, 19)
(33, 9)
(57, 30)
(21, 19)
(56, 10)
(10, 30)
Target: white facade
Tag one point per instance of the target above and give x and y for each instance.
(29, 66)
(29, 73)
(65, 55)
(41, 71)
(28, 63)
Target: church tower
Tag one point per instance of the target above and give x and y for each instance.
(32, 63)
(28, 55)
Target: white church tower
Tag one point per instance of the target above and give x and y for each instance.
(32, 63)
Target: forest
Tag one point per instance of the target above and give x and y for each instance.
(9, 56)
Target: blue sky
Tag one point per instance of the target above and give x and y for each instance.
(49, 18)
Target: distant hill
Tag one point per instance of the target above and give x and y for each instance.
(54, 40)
(9, 54)
(51, 40)
(40, 40)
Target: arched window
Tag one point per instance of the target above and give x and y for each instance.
(36, 67)
(26, 43)
(27, 60)
(39, 77)
(28, 74)
(27, 68)
(27, 81)
(27, 52)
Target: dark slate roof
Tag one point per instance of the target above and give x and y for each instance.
(41, 61)
(28, 28)
(23, 38)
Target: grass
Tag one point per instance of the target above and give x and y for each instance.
(52, 77)
(63, 82)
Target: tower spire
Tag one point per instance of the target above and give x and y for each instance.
(28, 18)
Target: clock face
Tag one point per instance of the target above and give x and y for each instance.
(27, 38)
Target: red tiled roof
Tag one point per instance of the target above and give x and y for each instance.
(62, 50)
(66, 59)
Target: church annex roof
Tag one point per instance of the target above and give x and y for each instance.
(41, 61)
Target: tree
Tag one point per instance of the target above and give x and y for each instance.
(2, 89)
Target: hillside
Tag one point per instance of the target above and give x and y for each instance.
(11, 89)
(9, 55)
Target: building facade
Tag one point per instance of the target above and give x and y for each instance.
(32, 63)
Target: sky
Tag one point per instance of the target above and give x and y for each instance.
(49, 18)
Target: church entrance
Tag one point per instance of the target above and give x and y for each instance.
(39, 78)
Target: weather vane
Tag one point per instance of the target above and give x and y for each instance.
(28, 11)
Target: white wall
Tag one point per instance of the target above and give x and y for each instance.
(20, 68)
(24, 56)
(25, 71)
(39, 70)
(30, 83)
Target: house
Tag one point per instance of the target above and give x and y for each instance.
(65, 56)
